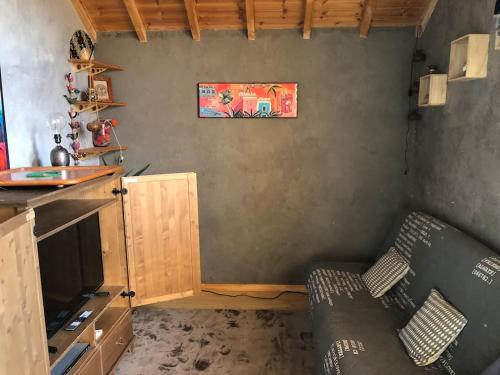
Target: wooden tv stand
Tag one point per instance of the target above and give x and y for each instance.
(171, 261)
(112, 315)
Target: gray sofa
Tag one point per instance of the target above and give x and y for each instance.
(356, 334)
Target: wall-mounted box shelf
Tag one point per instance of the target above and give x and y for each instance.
(432, 91)
(469, 57)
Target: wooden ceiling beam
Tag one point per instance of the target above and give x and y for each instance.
(193, 19)
(308, 15)
(426, 17)
(86, 20)
(136, 19)
(104, 15)
(366, 18)
(250, 15)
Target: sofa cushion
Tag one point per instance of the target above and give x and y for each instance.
(353, 332)
(467, 274)
(385, 273)
(433, 327)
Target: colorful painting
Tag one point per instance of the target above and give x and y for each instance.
(4, 155)
(247, 100)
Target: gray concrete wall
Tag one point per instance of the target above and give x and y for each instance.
(274, 195)
(34, 50)
(457, 158)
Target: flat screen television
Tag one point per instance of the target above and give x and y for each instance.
(70, 269)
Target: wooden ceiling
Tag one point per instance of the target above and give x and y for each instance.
(143, 16)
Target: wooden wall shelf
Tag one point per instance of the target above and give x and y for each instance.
(94, 67)
(432, 90)
(60, 214)
(95, 106)
(94, 152)
(469, 57)
(63, 340)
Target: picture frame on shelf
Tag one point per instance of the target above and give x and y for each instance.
(4, 150)
(102, 87)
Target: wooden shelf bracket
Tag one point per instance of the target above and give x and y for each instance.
(93, 67)
(80, 107)
(96, 152)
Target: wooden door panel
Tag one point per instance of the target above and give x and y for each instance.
(23, 342)
(161, 229)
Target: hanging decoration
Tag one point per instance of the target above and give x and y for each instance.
(75, 125)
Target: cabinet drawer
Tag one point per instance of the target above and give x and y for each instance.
(92, 366)
(115, 344)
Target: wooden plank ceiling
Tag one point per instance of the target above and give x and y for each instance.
(144, 16)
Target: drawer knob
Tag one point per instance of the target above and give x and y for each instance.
(121, 341)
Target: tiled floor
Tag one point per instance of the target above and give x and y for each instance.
(219, 342)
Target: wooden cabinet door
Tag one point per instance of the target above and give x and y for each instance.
(23, 342)
(162, 239)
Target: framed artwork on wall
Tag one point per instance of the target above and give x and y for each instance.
(4, 151)
(247, 100)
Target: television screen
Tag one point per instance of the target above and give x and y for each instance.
(70, 269)
(4, 155)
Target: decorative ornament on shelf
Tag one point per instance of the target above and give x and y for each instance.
(88, 95)
(81, 46)
(59, 156)
(101, 131)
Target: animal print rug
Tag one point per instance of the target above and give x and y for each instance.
(219, 342)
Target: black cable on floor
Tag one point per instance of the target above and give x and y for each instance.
(410, 102)
(256, 297)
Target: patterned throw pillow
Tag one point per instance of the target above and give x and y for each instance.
(385, 273)
(433, 327)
